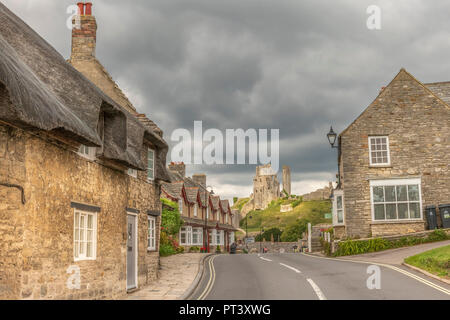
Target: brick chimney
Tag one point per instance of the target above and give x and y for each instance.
(200, 178)
(179, 167)
(84, 39)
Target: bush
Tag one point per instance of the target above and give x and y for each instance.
(294, 231)
(267, 235)
(166, 250)
(218, 250)
(179, 249)
(194, 249)
(296, 202)
(351, 247)
(170, 218)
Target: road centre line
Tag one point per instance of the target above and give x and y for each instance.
(289, 267)
(316, 289)
(265, 259)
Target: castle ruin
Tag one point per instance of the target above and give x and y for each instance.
(266, 187)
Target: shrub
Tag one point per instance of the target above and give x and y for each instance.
(194, 249)
(351, 247)
(218, 250)
(170, 217)
(267, 235)
(294, 231)
(166, 250)
(296, 202)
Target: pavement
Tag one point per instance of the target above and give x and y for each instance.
(295, 276)
(177, 274)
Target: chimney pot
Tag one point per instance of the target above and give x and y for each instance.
(81, 8)
(88, 11)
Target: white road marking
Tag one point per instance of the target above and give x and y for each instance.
(265, 259)
(289, 267)
(413, 276)
(317, 290)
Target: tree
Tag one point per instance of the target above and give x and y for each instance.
(267, 235)
(294, 231)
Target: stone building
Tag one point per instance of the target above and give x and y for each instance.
(80, 178)
(287, 180)
(320, 194)
(266, 187)
(394, 160)
(208, 220)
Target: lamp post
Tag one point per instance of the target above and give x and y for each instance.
(261, 231)
(206, 233)
(332, 137)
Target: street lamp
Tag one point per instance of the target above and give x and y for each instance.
(332, 137)
(261, 231)
(206, 233)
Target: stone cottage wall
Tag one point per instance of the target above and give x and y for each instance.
(54, 178)
(418, 126)
(12, 171)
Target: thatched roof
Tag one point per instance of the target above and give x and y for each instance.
(47, 93)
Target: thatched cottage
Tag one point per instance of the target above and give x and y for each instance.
(80, 173)
(394, 161)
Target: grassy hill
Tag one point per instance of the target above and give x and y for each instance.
(240, 203)
(314, 211)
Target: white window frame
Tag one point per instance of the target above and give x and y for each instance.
(87, 152)
(83, 242)
(151, 233)
(152, 177)
(396, 182)
(132, 172)
(213, 237)
(195, 209)
(187, 230)
(199, 233)
(219, 237)
(388, 163)
(231, 237)
(336, 194)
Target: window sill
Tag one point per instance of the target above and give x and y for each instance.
(374, 166)
(150, 250)
(398, 222)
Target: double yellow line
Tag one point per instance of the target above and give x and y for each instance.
(428, 283)
(212, 278)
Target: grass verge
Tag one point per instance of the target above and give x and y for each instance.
(435, 261)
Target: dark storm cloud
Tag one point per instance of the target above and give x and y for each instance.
(298, 66)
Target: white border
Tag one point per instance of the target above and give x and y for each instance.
(396, 182)
(95, 238)
(148, 233)
(335, 218)
(388, 152)
(154, 157)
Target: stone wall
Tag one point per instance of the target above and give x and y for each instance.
(12, 220)
(42, 238)
(320, 194)
(418, 126)
(273, 247)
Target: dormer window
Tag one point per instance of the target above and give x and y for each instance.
(195, 209)
(180, 206)
(87, 152)
(379, 151)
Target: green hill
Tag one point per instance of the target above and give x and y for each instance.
(313, 211)
(240, 203)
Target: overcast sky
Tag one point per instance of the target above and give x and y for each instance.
(295, 65)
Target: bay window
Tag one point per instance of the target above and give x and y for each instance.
(197, 236)
(396, 199)
(186, 235)
(338, 207)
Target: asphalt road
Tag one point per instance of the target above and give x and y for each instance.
(302, 277)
